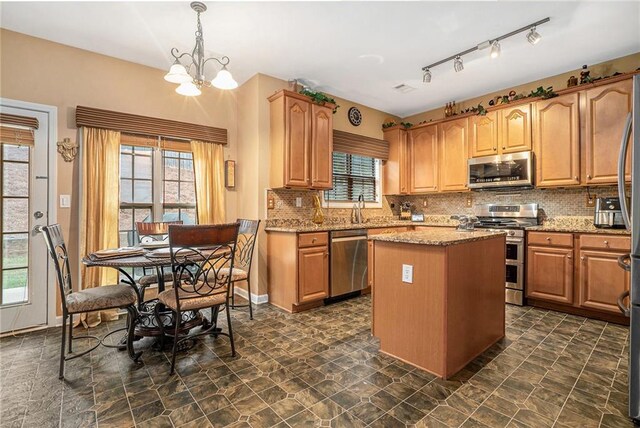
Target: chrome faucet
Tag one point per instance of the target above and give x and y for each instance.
(356, 211)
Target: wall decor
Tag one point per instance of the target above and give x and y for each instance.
(355, 117)
(68, 149)
(230, 174)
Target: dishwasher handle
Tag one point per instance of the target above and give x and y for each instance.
(349, 238)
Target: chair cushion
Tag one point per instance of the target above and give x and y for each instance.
(99, 298)
(190, 300)
(237, 274)
(153, 279)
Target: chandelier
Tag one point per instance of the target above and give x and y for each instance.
(190, 83)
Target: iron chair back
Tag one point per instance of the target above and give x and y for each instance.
(58, 251)
(154, 231)
(247, 234)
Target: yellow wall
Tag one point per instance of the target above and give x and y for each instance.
(607, 68)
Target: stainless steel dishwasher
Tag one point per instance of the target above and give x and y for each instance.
(348, 261)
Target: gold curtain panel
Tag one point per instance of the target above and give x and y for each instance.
(144, 125)
(354, 144)
(13, 119)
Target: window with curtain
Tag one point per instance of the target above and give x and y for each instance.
(155, 185)
(354, 175)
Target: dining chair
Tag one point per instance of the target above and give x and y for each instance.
(199, 253)
(247, 235)
(153, 232)
(120, 296)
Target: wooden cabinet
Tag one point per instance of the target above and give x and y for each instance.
(301, 142)
(557, 141)
(298, 274)
(515, 129)
(453, 155)
(484, 134)
(313, 274)
(423, 160)
(550, 274)
(606, 109)
(601, 280)
(395, 170)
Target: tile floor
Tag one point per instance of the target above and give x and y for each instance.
(322, 368)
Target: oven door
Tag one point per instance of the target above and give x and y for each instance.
(501, 171)
(515, 275)
(515, 250)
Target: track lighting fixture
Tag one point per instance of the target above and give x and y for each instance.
(495, 49)
(457, 64)
(426, 76)
(533, 37)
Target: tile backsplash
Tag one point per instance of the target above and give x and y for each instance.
(552, 202)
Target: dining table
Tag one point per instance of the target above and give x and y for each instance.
(155, 258)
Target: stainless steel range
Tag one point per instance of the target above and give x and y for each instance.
(513, 218)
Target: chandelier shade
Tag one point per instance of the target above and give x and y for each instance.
(224, 80)
(178, 74)
(188, 89)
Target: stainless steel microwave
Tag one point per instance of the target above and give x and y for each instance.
(511, 170)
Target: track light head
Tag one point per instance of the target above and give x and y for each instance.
(457, 64)
(426, 76)
(495, 49)
(533, 36)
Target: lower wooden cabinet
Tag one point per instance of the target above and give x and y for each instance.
(313, 274)
(601, 280)
(550, 274)
(586, 284)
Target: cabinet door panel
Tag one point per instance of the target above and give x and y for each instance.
(423, 160)
(601, 280)
(321, 147)
(515, 129)
(297, 135)
(606, 111)
(453, 155)
(484, 135)
(556, 141)
(550, 274)
(394, 170)
(313, 274)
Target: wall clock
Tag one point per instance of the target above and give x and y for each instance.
(355, 117)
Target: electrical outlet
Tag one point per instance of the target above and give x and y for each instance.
(407, 274)
(65, 201)
(591, 201)
(271, 203)
(298, 202)
(424, 203)
(469, 201)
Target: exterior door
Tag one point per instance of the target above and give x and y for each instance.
(556, 139)
(484, 135)
(423, 158)
(23, 202)
(453, 155)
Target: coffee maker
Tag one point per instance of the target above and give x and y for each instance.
(608, 214)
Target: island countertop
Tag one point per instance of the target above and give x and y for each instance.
(438, 237)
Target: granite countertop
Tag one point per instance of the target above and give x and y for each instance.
(294, 226)
(442, 237)
(574, 225)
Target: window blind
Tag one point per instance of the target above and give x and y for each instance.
(353, 175)
(354, 144)
(19, 136)
(151, 141)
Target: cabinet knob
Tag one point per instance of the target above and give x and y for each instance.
(575, 178)
(589, 176)
(504, 147)
(314, 240)
(495, 148)
(568, 256)
(548, 239)
(581, 257)
(606, 243)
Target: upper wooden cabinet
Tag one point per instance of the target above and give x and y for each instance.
(556, 140)
(606, 109)
(423, 160)
(515, 129)
(301, 142)
(395, 169)
(484, 134)
(454, 152)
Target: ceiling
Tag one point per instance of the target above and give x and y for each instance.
(354, 50)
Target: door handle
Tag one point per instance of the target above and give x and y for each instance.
(37, 229)
(624, 265)
(624, 309)
(622, 193)
(38, 214)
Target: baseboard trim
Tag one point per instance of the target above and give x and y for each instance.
(257, 299)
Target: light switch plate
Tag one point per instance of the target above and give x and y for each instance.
(469, 201)
(591, 201)
(424, 203)
(407, 274)
(271, 203)
(65, 201)
(298, 202)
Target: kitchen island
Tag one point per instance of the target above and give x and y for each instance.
(438, 296)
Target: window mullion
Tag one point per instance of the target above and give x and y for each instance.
(157, 185)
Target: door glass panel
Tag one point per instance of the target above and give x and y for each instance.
(512, 274)
(15, 186)
(512, 252)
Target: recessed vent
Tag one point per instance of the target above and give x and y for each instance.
(403, 88)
